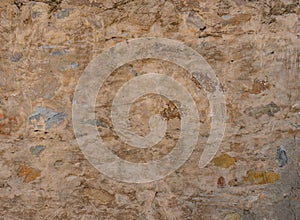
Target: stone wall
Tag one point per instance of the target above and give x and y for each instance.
(253, 48)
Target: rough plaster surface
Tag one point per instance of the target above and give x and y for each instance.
(254, 49)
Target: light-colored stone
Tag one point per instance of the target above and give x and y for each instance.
(232, 216)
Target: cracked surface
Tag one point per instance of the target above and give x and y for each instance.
(253, 47)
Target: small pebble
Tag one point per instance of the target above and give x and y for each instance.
(36, 150)
(282, 156)
(74, 65)
(16, 57)
(58, 163)
(221, 182)
(63, 13)
(57, 53)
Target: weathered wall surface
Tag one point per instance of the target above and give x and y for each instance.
(254, 49)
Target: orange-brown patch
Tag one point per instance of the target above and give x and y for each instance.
(261, 177)
(29, 173)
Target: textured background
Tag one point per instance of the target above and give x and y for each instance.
(254, 48)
